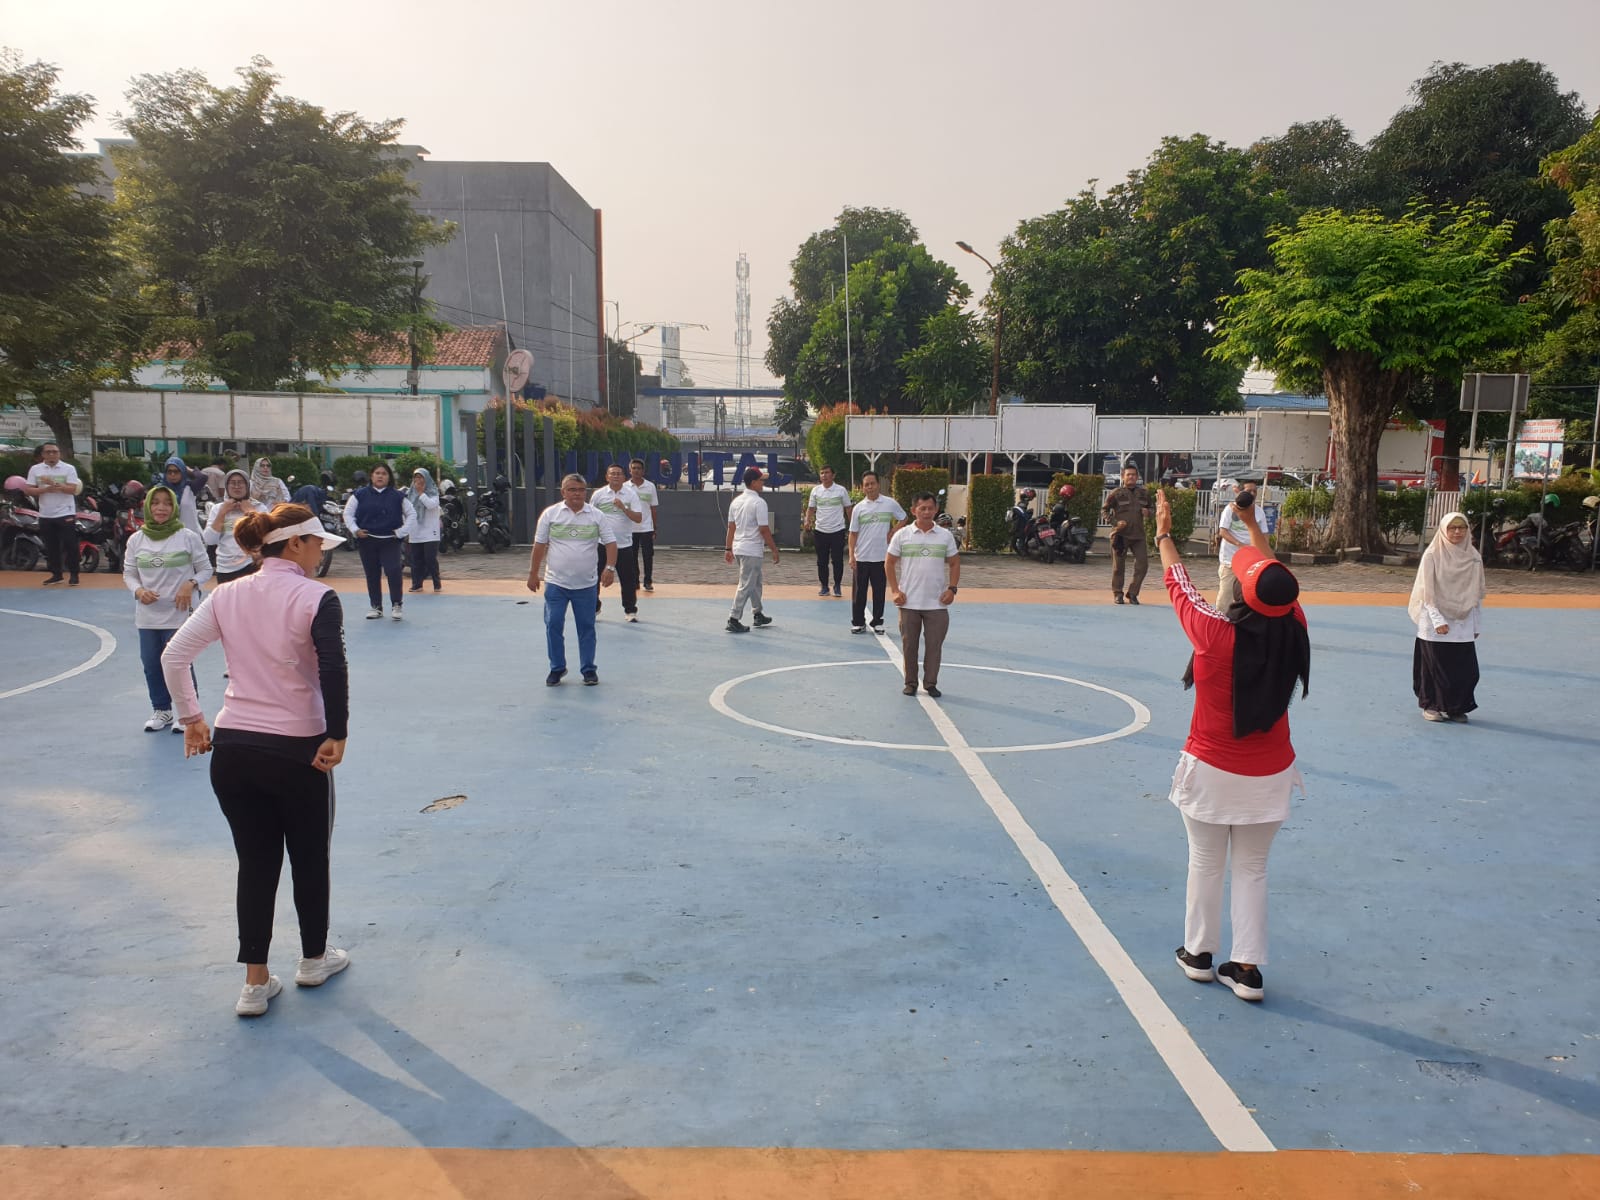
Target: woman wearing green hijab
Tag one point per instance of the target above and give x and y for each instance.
(164, 565)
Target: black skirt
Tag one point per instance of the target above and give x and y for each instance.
(1444, 676)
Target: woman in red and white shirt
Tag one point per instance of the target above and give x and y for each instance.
(1237, 769)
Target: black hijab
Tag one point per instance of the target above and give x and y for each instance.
(1270, 654)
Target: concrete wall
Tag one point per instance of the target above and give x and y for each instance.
(546, 237)
(690, 518)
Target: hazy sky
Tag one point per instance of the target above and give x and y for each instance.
(709, 127)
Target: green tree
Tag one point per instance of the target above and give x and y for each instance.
(276, 238)
(1110, 300)
(1315, 164)
(1569, 356)
(1362, 306)
(893, 292)
(1478, 134)
(60, 327)
(949, 370)
(624, 368)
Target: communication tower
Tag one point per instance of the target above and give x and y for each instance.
(741, 322)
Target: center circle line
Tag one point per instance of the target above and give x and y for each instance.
(719, 702)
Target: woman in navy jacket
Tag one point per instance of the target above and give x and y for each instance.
(380, 517)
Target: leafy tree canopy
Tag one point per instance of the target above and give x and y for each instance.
(58, 272)
(1361, 307)
(1111, 299)
(277, 238)
(1315, 164)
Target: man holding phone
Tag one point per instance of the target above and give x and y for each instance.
(1232, 532)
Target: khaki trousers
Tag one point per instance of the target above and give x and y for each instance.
(915, 624)
(1141, 564)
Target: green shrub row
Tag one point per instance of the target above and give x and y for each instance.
(1183, 502)
(989, 497)
(1088, 491)
(906, 482)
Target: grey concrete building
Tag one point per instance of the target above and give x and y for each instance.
(524, 225)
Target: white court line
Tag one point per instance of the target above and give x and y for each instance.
(1216, 1102)
(108, 645)
(719, 702)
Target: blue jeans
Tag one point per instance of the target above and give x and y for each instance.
(151, 643)
(583, 601)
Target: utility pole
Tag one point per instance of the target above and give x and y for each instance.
(413, 375)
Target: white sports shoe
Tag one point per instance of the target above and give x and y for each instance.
(314, 972)
(396, 613)
(254, 997)
(374, 614)
(159, 720)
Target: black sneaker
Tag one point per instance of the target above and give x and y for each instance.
(1117, 597)
(877, 628)
(1196, 966)
(554, 677)
(1246, 985)
(836, 590)
(73, 582)
(1133, 599)
(53, 580)
(858, 629)
(735, 626)
(760, 619)
(910, 689)
(591, 678)
(932, 690)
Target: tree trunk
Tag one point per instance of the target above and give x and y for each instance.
(1361, 399)
(58, 415)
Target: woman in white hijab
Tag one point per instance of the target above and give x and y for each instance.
(265, 487)
(1446, 607)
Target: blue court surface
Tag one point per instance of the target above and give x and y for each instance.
(747, 894)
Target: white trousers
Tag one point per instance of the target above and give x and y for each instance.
(1209, 846)
(749, 584)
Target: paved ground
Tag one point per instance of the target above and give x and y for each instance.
(746, 922)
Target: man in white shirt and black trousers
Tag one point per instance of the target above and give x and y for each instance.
(872, 523)
(567, 535)
(827, 513)
(923, 567)
(56, 484)
(644, 534)
(619, 505)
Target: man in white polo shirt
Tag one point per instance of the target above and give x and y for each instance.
(827, 511)
(749, 530)
(56, 485)
(1232, 532)
(567, 535)
(872, 523)
(644, 533)
(923, 568)
(619, 505)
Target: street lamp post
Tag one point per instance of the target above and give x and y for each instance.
(999, 327)
(849, 384)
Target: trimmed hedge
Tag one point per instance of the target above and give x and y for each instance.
(16, 463)
(119, 468)
(988, 499)
(1402, 512)
(906, 482)
(302, 468)
(1183, 502)
(405, 464)
(346, 465)
(1088, 491)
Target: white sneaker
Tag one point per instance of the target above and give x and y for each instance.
(396, 614)
(159, 720)
(177, 728)
(374, 614)
(314, 972)
(254, 997)
(1428, 714)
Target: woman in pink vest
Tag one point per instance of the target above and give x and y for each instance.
(279, 735)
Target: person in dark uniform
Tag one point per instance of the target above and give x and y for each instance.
(1127, 507)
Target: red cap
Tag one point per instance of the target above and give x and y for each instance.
(1249, 568)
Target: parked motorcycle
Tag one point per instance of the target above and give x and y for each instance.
(490, 515)
(1550, 545)
(1498, 542)
(1031, 535)
(1072, 539)
(21, 547)
(452, 518)
(332, 517)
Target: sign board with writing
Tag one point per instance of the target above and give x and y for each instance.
(1539, 447)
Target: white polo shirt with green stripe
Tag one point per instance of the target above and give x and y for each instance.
(829, 504)
(923, 571)
(870, 521)
(572, 537)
